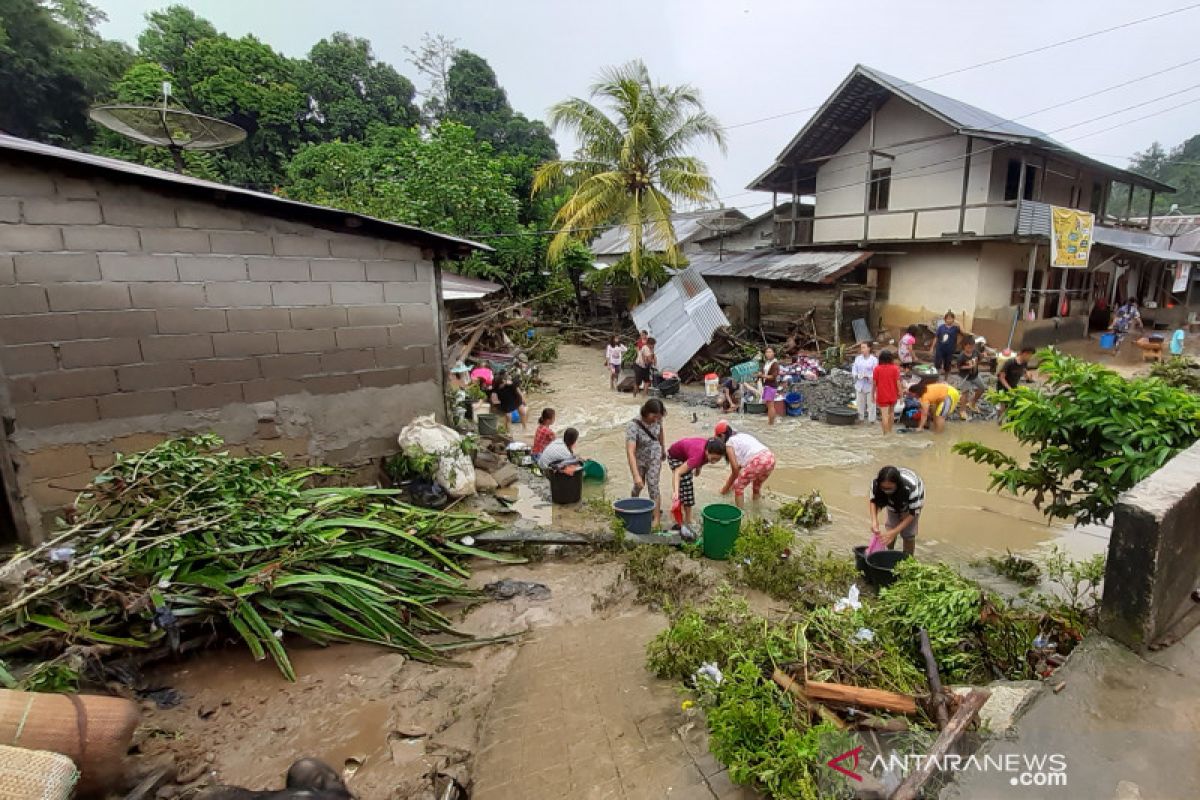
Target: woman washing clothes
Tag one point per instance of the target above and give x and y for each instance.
(902, 493)
(750, 462)
(686, 458)
(646, 450)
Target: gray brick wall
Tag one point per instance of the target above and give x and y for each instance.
(119, 302)
(157, 303)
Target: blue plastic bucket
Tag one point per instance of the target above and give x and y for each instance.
(794, 404)
(636, 512)
(515, 416)
(1108, 341)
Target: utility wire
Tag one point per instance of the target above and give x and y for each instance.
(990, 62)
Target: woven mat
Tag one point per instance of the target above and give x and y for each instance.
(35, 775)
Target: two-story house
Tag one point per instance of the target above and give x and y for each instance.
(954, 203)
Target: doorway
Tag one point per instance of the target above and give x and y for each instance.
(753, 309)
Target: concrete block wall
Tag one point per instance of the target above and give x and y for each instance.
(1153, 562)
(126, 311)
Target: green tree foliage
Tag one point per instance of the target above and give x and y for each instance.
(1092, 434)
(448, 181)
(633, 161)
(352, 91)
(53, 65)
(1177, 166)
(170, 34)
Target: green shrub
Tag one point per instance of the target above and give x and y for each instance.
(715, 632)
(1180, 372)
(768, 558)
(754, 729)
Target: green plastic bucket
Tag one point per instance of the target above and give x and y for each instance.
(594, 471)
(722, 522)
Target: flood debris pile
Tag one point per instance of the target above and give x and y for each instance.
(781, 694)
(185, 544)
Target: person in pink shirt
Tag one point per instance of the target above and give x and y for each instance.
(686, 458)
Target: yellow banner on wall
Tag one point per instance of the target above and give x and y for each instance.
(1070, 237)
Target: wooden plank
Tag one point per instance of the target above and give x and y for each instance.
(910, 789)
(843, 694)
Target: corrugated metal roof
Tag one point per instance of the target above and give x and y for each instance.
(849, 108)
(460, 287)
(688, 226)
(229, 195)
(803, 266)
(1156, 253)
(682, 316)
(1033, 219)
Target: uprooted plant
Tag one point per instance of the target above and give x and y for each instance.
(172, 544)
(806, 512)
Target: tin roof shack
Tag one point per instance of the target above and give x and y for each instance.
(691, 227)
(819, 292)
(136, 304)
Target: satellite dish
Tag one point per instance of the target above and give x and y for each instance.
(173, 128)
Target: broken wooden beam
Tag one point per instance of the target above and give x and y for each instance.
(862, 697)
(846, 695)
(910, 788)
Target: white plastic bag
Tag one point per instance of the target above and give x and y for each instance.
(456, 473)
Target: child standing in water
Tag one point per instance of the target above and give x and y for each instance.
(864, 381)
(770, 381)
(614, 355)
(908, 344)
(888, 388)
(945, 345)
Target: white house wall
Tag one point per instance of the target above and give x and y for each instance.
(926, 282)
(926, 174)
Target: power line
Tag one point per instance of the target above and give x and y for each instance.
(990, 62)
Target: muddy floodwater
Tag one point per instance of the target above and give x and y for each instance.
(962, 520)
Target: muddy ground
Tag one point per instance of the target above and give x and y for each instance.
(566, 708)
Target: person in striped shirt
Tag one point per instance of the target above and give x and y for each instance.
(900, 492)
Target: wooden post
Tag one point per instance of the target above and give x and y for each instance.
(1150, 212)
(1033, 253)
(1041, 182)
(962, 208)
(795, 203)
(869, 183)
(1021, 183)
(1041, 312)
(910, 789)
(1129, 205)
(837, 317)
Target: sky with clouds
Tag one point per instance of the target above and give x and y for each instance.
(754, 59)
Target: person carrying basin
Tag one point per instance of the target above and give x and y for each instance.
(900, 492)
(646, 450)
(686, 458)
(750, 462)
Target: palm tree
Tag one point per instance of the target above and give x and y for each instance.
(632, 166)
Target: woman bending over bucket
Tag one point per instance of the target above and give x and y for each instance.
(750, 462)
(686, 458)
(901, 492)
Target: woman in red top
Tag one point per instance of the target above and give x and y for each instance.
(887, 388)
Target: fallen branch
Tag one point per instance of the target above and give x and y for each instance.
(910, 789)
(935, 681)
